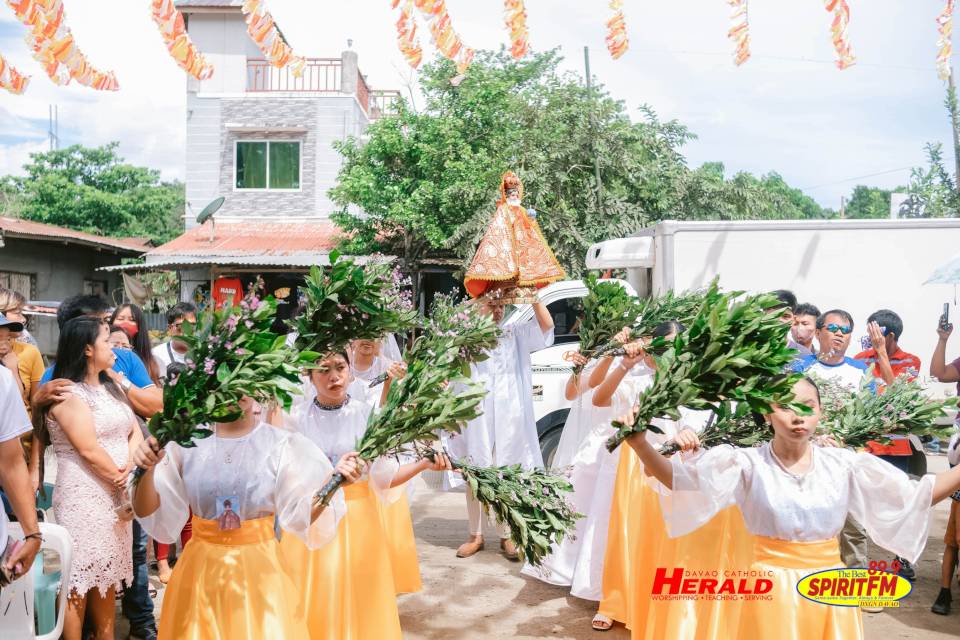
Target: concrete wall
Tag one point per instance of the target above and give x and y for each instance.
(223, 39)
(60, 271)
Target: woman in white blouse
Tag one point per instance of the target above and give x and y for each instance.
(795, 498)
(350, 585)
(229, 583)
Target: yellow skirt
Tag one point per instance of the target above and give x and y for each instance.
(723, 544)
(348, 584)
(790, 616)
(401, 545)
(230, 585)
(636, 539)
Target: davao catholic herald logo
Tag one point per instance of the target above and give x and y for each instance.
(855, 587)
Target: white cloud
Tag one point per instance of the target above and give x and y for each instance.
(787, 109)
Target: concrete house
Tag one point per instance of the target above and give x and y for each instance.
(263, 140)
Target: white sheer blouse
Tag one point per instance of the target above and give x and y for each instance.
(271, 471)
(806, 508)
(338, 432)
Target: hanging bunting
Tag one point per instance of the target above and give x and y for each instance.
(11, 79)
(617, 42)
(264, 32)
(444, 36)
(54, 47)
(515, 17)
(945, 43)
(174, 34)
(739, 31)
(407, 33)
(841, 21)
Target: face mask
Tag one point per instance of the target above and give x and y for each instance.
(130, 327)
(802, 333)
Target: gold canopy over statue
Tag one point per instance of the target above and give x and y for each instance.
(513, 259)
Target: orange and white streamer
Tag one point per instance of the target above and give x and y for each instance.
(174, 34)
(11, 79)
(945, 43)
(739, 32)
(838, 28)
(445, 37)
(515, 17)
(617, 41)
(54, 47)
(263, 30)
(407, 33)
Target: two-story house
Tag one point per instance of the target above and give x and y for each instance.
(263, 140)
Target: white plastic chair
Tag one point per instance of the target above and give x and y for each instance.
(16, 600)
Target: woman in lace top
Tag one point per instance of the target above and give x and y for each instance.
(93, 433)
(351, 584)
(795, 497)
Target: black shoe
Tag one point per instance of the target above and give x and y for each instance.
(906, 571)
(145, 634)
(942, 604)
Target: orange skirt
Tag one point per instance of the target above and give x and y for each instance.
(348, 584)
(402, 545)
(790, 616)
(230, 584)
(723, 544)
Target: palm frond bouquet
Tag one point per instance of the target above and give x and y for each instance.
(607, 308)
(736, 425)
(682, 307)
(902, 408)
(231, 353)
(733, 351)
(348, 301)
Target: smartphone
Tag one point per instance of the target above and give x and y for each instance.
(945, 318)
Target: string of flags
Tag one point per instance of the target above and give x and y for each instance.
(53, 44)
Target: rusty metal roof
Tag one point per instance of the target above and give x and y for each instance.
(30, 230)
(249, 239)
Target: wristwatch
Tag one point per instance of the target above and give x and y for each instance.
(125, 383)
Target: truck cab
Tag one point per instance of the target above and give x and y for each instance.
(550, 371)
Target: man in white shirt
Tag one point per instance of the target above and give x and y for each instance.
(506, 432)
(14, 477)
(174, 350)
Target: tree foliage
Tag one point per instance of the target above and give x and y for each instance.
(868, 202)
(94, 190)
(426, 182)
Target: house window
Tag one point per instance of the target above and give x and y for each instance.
(268, 165)
(22, 283)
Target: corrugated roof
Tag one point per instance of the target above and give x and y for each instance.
(250, 239)
(207, 3)
(19, 228)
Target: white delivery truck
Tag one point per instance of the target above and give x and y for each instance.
(857, 265)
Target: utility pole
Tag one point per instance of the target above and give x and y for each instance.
(954, 112)
(593, 123)
(53, 131)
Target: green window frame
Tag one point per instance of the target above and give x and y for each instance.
(271, 165)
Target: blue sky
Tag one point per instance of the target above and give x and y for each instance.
(787, 110)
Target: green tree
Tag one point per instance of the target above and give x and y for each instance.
(93, 190)
(868, 202)
(932, 191)
(425, 184)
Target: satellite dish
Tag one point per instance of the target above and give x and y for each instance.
(210, 209)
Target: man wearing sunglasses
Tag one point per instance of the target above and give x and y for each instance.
(834, 329)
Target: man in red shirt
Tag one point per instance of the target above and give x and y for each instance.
(889, 362)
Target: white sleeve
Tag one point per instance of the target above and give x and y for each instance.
(14, 420)
(532, 337)
(381, 475)
(164, 524)
(302, 470)
(894, 509)
(703, 486)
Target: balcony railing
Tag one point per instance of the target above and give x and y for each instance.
(321, 75)
(383, 102)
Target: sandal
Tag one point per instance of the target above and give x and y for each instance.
(601, 623)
